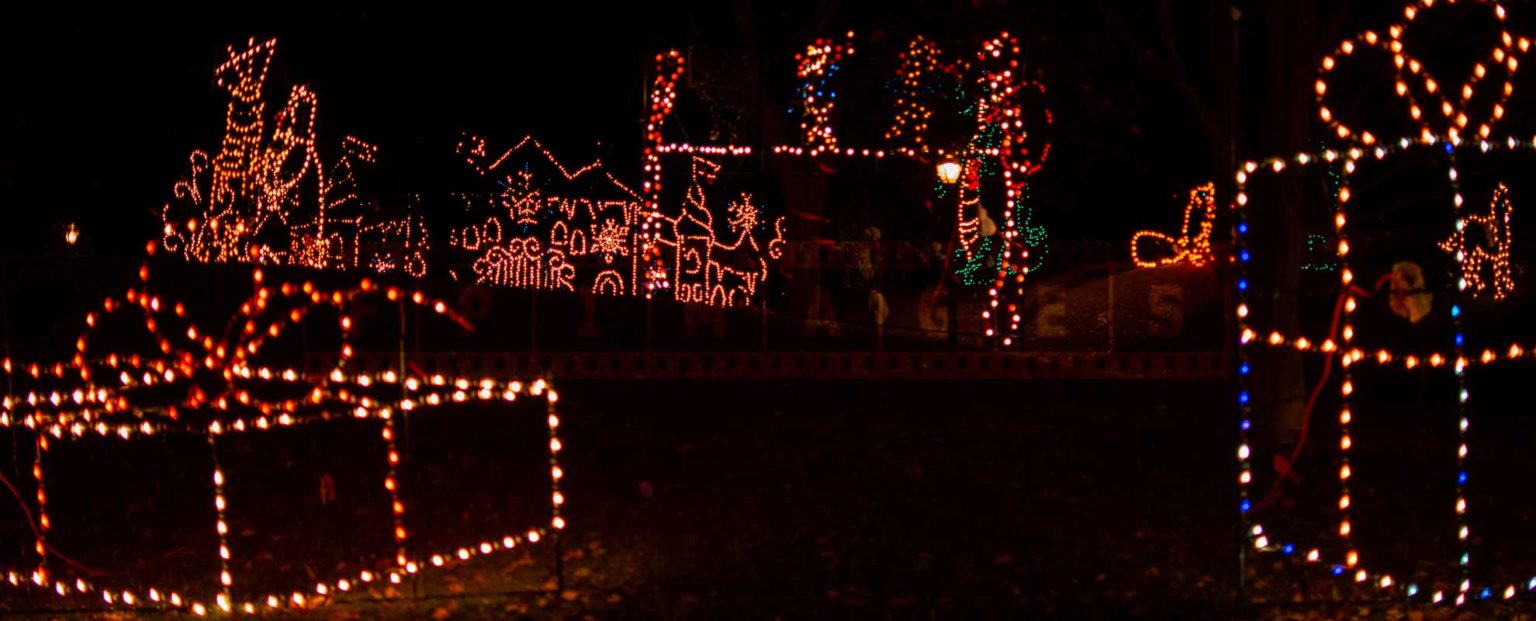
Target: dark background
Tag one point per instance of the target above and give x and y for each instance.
(103, 105)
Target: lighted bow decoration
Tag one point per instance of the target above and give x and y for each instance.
(1193, 243)
(1485, 258)
(207, 383)
(1436, 111)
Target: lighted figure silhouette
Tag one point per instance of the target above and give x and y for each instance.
(1484, 255)
(239, 159)
(1191, 246)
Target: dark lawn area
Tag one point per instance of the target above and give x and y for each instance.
(886, 499)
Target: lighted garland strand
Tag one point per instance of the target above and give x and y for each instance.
(1472, 258)
(1319, 254)
(1463, 526)
(979, 266)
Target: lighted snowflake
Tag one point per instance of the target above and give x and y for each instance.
(743, 215)
(612, 238)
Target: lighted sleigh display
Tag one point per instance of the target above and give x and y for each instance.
(1458, 223)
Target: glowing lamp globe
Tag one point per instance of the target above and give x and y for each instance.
(949, 172)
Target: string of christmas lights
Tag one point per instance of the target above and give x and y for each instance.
(1434, 360)
(567, 237)
(1319, 253)
(1463, 525)
(703, 261)
(1445, 129)
(228, 206)
(1485, 262)
(921, 74)
(189, 367)
(816, 66)
(1002, 108)
(663, 94)
(1193, 243)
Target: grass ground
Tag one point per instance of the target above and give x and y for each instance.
(918, 499)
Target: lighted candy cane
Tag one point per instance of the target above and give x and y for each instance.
(669, 69)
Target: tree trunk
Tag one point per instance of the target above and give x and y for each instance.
(1285, 124)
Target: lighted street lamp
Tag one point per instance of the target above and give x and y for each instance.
(71, 234)
(949, 172)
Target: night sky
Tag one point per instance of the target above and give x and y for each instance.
(103, 106)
